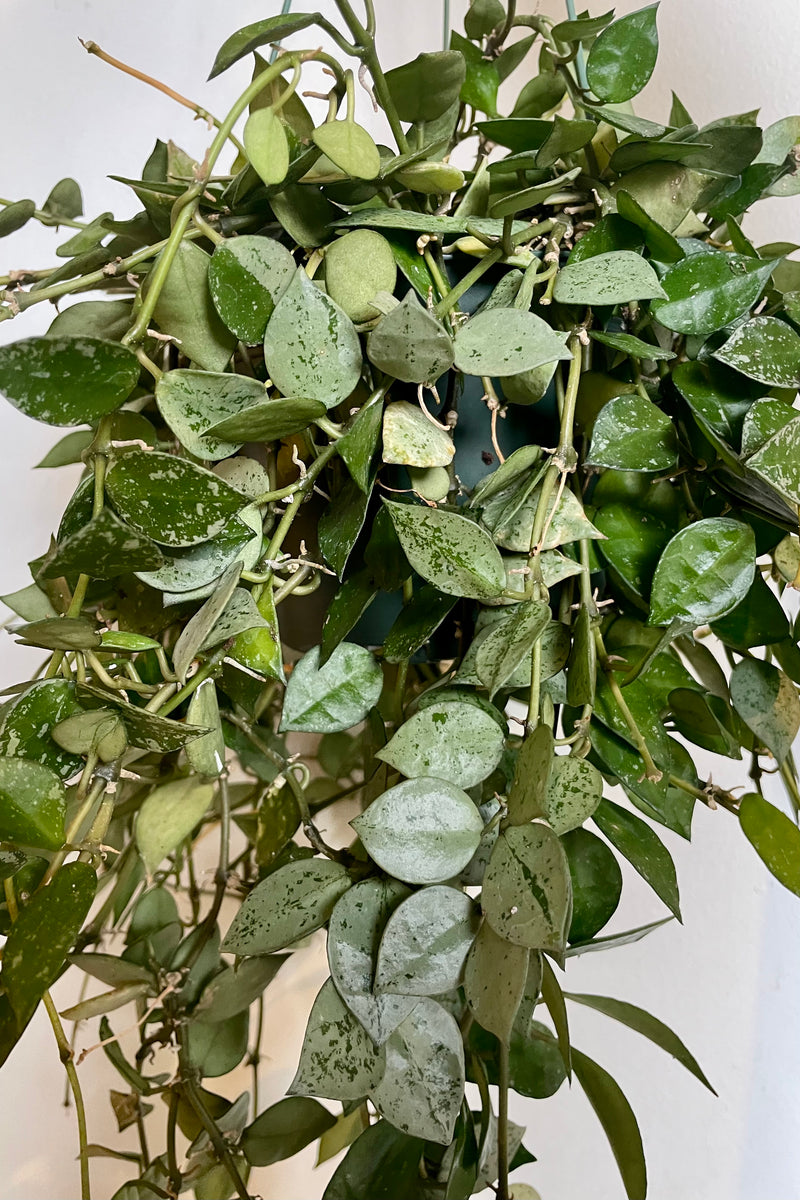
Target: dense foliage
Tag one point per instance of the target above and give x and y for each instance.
(455, 468)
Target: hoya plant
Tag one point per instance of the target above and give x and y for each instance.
(440, 496)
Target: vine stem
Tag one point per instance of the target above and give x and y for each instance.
(45, 217)
(192, 1093)
(365, 50)
(502, 1123)
(651, 770)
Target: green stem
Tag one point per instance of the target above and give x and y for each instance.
(208, 668)
(651, 770)
(502, 1123)
(365, 49)
(175, 1177)
(65, 1053)
(192, 1094)
(300, 490)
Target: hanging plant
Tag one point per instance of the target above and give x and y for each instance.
(453, 468)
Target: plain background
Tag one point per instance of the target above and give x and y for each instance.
(728, 980)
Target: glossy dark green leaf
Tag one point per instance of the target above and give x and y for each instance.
(764, 418)
(615, 278)
(67, 381)
(247, 276)
(596, 883)
(335, 696)
(661, 244)
(622, 58)
(774, 837)
(632, 346)
(357, 446)
(632, 434)
(259, 33)
(188, 570)
(705, 571)
(409, 343)
(340, 525)
(456, 742)
(449, 551)
(185, 311)
(616, 1116)
(643, 849)
(764, 349)
(284, 1129)
(26, 725)
(767, 701)
(167, 817)
(346, 609)
(423, 89)
(143, 487)
(288, 904)
(425, 943)
(338, 1060)
(102, 549)
(32, 804)
(718, 398)
(43, 934)
(705, 292)
(505, 341)
(421, 831)
(481, 81)
(526, 889)
(758, 620)
(482, 17)
(382, 1163)
(417, 622)
(539, 95)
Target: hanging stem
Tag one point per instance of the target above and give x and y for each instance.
(502, 1123)
(192, 1094)
(365, 49)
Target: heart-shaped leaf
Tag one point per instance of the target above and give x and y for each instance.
(410, 344)
(247, 276)
(426, 942)
(267, 145)
(622, 58)
(424, 89)
(506, 341)
(192, 401)
(494, 981)
(765, 349)
(614, 278)
(632, 434)
(357, 267)
(350, 148)
(338, 1060)
(167, 816)
(705, 292)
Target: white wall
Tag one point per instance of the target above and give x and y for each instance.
(728, 980)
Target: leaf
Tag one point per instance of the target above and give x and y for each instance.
(510, 516)
(762, 420)
(422, 1087)
(777, 461)
(632, 434)
(482, 17)
(632, 346)
(338, 1060)
(615, 939)
(143, 486)
(102, 549)
(100, 731)
(494, 981)
(647, 1025)
(14, 216)
(291, 902)
(622, 58)
(106, 1002)
(596, 883)
(583, 29)
(411, 439)
(456, 742)
(340, 525)
(284, 1129)
(382, 1163)
(553, 997)
(61, 633)
(526, 889)
(774, 837)
(416, 623)
(147, 730)
(233, 990)
(705, 571)
(30, 603)
(574, 790)
(767, 701)
(111, 970)
(32, 804)
(618, 1121)
(206, 754)
(526, 796)
(426, 942)
(764, 349)
(410, 344)
(184, 310)
(661, 244)
(509, 642)
(482, 80)
(311, 348)
(565, 138)
(357, 267)
(354, 932)
(506, 341)
(357, 446)
(42, 934)
(614, 278)
(421, 830)
(424, 89)
(643, 849)
(449, 551)
(192, 401)
(239, 616)
(192, 570)
(214, 1050)
(350, 147)
(267, 145)
(705, 292)
(67, 380)
(247, 276)
(64, 200)
(167, 817)
(26, 726)
(335, 696)
(259, 33)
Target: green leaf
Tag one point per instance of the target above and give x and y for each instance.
(30, 603)
(247, 276)
(382, 1163)
(705, 571)
(100, 731)
(622, 58)
(554, 999)
(421, 831)
(647, 1025)
(705, 292)
(574, 790)
(61, 633)
(214, 1050)
(631, 346)
(234, 990)
(596, 883)
(618, 1121)
(197, 630)
(354, 933)
(417, 623)
(767, 701)
(764, 349)
(259, 33)
(774, 837)
(778, 142)
(643, 849)
(43, 934)
(565, 138)
(32, 804)
(102, 549)
(206, 754)
(357, 267)
(482, 17)
(143, 487)
(426, 942)
(284, 1129)
(482, 80)
(311, 348)
(661, 244)
(666, 191)
(192, 401)
(357, 446)
(583, 29)
(762, 420)
(615, 939)
(411, 439)
(350, 148)
(526, 889)
(67, 381)
(430, 178)
(340, 525)
(335, 696)
(338, 1060)
(346, 609)
(112, 970)
(509, 642)
(27, 722)
(267, 419)
(288, 904)
(14, 216)
(758, 621)
(449, 551)
(424, 89)
(192, 570)
(506, 341)
(64, 200)
(422, 1087)
(146, 730)
(494, 981)
(510, 516)
(267, 145)
(526, 796)
(167, 816)
(456, 742)
(185, 311)
(410, 344)
(615, 278)
(632, 434)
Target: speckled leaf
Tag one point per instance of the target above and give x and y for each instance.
(335, 696)
(494, 981)
(349, 147)
(509, 642)
(357, 267)
(705, 292)
(421, 831)
(32, 804)
(632, 434)
(634, 347)
(766, 700)
(527, 794)
(409, 343)
(43, 934)
(267, 145)
(340, 525)
(143, 487)
(705, 571)
(185, 311)
(426, 942)
(643, 849)
(187, 570)
(411, 439)
(67, 381)
(357, 446)
(527, 896)
(354, 932)
(511, 513)
(196, 630)
(288, 904)
(454, 741)
(167, 816)
(449, 551)
(573, 793)
(147, 730)
(506, 341)
(311, 348)
(26, 725)
(762, 420)
(206, 754)
(102, 549)
(614, 278)
(193, 401)
(622, 58)
(765, 349)
(247, 276)
(338, 1060)
(422, 1086)
(778, 461)
(774, 837)
(239, 616)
